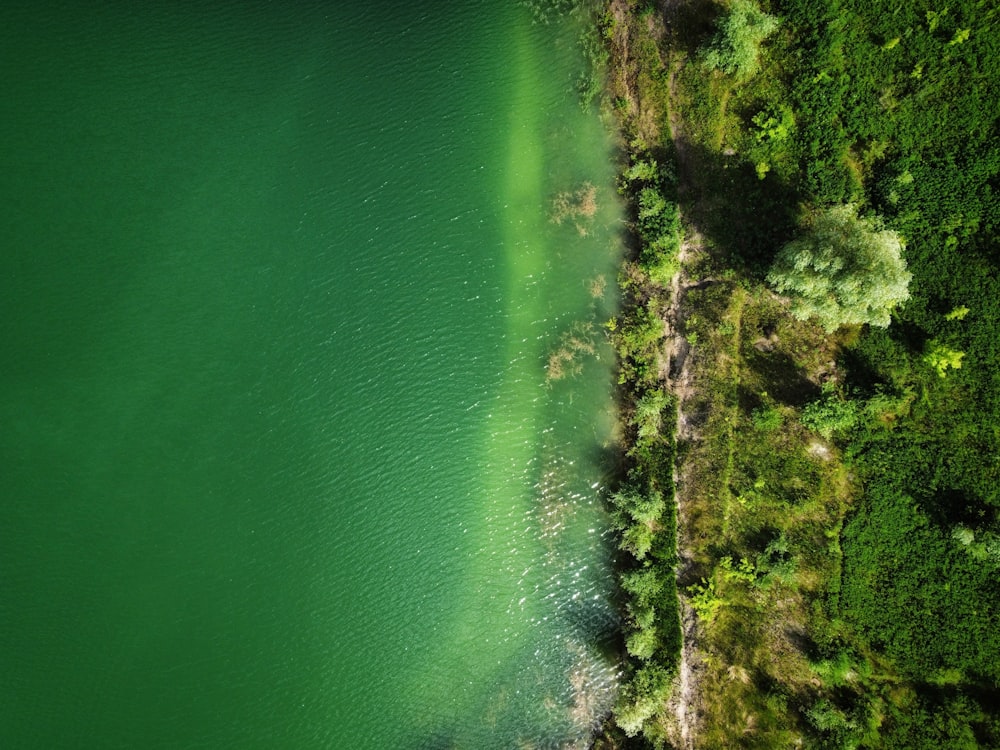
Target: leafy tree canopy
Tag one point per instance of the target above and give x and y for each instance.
(735, 49)
(845, 270)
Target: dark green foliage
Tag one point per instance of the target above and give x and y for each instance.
(918, 596)
(892, 107)
(937, 719)
(896, 106)
(906, 577)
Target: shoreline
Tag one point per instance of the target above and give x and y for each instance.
(646, 133)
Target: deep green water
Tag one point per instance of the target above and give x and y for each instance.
(281, 463)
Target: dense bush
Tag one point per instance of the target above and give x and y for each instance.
(653, 188)
(900, 110)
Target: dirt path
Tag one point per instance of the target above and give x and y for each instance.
(685, 699)
(647, 123)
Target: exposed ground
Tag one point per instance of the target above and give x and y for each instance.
(646, 123)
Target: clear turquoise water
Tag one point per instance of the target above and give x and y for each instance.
(282, 462)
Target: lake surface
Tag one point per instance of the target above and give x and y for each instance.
(304, 389)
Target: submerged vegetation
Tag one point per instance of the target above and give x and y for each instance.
(577, 207)
(809, 354)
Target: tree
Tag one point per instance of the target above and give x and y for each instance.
(735, 49)
(845, 270)
(636, 514)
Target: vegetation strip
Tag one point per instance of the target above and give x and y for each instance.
(809, 372)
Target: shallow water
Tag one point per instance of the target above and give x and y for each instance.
(285, 460)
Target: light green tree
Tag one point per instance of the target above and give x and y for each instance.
(636, 515)
(641, 697)
(844, 270)
(735, 48)
(644, 585)
(941, 357)
(649, 413)
(634, 506)
(642, 644)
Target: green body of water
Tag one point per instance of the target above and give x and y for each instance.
(283, 289)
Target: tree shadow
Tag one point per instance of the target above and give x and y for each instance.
(782, 378)
(610, 460)
(744, 219)
(942, 700)
(692, 572)
(863, 376)
(691, 24)
(948, 508)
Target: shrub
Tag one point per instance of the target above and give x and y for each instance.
(831, 413)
